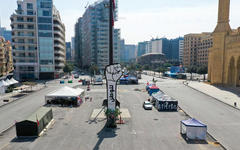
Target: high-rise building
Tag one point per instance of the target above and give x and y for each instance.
(156, 46)
(92, 37)
(196, 45)
(38, 38)
(170, 48)
(73, 48)
(123, 53)
(68, 51)
(78, 44)
(174, 49)
(6, 61)
(181, 49)
(142, 48)
(7, 34)
(130, 51)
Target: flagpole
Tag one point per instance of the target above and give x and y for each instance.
(111, 23)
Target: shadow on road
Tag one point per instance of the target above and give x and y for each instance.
(234, 90)
(103, 134)
(22, 140)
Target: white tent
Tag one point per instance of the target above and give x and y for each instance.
(9, 82)
(193, 129)
(14, 81)
(66, 92)
(4, 83)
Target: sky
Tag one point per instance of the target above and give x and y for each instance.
(142, 20)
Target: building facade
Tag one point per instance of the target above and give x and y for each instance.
(196, 49)
(181, 49)
(224, 56)
(128, 52)
(142, 48)
(7, 34)
(152, 59)
(38, 38)
(92, 37)
(6, 60)
(68, 51)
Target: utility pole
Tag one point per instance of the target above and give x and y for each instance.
(111, 22)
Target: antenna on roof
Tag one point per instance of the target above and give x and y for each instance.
(87, 5)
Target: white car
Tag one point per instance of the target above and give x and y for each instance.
(147, 105)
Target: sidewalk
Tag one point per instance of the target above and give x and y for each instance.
(226, 95)
(15, 95)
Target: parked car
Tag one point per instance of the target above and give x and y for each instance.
(147, 105)
(76, 76)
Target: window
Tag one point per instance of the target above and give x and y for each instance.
(46, 13)
(44, 20)
(30, 26)
(45, 34)
(20, 19)
(20, 26)
(19, 7)
(29, 12)
(44, 27)
(29, 19)
(46, 5)
(29, 6)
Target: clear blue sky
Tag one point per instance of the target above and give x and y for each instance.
(141, 20)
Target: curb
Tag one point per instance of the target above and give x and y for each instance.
(7, 129)
(208, 133)
(212, 97)
(21, 98)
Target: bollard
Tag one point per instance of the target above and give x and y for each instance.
(235, 104)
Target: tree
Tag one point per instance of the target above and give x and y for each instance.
(94, 69)
(191, 70)
(161, 70)
(203, 71)
(68, 68)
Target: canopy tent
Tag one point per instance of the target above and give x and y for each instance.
(193, 129)
(4, 83)
(9, 82)
(14, 81)
(164, 102)
(65, 95)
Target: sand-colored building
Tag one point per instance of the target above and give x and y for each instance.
(196, 47)
(224, 56)
(6, 61)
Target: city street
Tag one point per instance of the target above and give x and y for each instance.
(223, 121)
(73, 129)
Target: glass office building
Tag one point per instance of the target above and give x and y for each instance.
(33, 37)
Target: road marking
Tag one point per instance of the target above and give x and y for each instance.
(4, 146)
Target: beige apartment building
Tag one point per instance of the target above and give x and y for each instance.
(196, 49)
(6, 61)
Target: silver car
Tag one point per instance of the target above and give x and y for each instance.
(147, 105)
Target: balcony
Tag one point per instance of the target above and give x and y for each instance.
(23, 43)
(59, 64)
(23, 36)
(60, 46)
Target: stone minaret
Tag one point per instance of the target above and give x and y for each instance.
(223, 16)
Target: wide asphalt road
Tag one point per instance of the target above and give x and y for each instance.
(145, 130)
(223, 121)
(22, 108)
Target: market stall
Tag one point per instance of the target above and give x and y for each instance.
(164, 102)
(193, 129)
(65, 96)
(153, 89)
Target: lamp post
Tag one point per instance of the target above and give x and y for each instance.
(111, 22)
